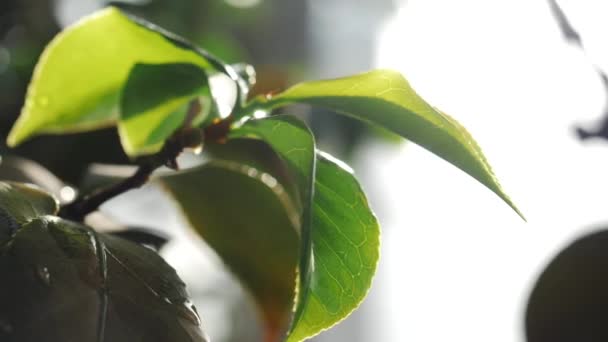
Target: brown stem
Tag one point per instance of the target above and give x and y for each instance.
(79, 209)
(83, 206)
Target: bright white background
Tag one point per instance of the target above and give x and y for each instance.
(457, 263)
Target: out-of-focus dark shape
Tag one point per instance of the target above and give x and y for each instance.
(569, 302)
(143, 236)
(147, 237)
(564, 24)
(602, 130)
(23, 170)
(56, 272)
(571, 35)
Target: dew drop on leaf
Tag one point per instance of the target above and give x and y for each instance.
(44, 275)
(198, 149)
(188, 311)
(43, 101)
(67, 194)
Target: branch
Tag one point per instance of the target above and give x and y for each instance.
(187, 137)
(564, 24)
(80, 208)
(573, 36)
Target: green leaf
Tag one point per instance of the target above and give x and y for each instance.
(23, 202)
(291, 139)
(294, 143)
(339, 242)
(385, 98)
(77, 81)
(155, 102)
(241, 213)
(345, 247)
(56, 272)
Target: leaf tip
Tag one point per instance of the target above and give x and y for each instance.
(519, 213)
(507, 200)
(18, 135)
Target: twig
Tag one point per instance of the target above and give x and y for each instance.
(185, 138)
(80, 208)
(564, 24)
(574, 37)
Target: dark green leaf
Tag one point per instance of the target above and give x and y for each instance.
(241, 213)
(385, 98)
(18, 169)
(339, 244)
(23, 202)
(294, 143)
(62, 281)
(155, 102)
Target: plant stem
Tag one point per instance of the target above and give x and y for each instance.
(79, 209)
(85, 205)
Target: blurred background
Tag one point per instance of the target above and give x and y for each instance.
(524, 76)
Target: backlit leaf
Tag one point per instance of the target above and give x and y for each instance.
(77, 82)
(155, 102)
(345, 250)
(241, 213)
(340, 235)
(385, 98)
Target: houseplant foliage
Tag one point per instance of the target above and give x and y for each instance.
(290, 221)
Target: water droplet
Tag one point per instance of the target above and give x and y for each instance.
(67, 194)
(44, 275)
(5, 327)
(198, 149)
(43, 101)
(259, 114)
(251, 172)
(188, 311)
(268, 180)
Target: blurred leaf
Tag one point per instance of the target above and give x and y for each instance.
(77, 82)
(568, 301)
(240, 212)
(23, 202)
(339, 246)
(17, 169)
(56, 272)
(154, 103)
(385, 98)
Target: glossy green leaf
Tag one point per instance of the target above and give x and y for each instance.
(23, 170)
(241, 213)
(155, 103)
(77, 82)
(340, 240)
(56, 272)
(294, 143)
(259, 155)
(23, 202)
(345, 247)
(385, 98)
